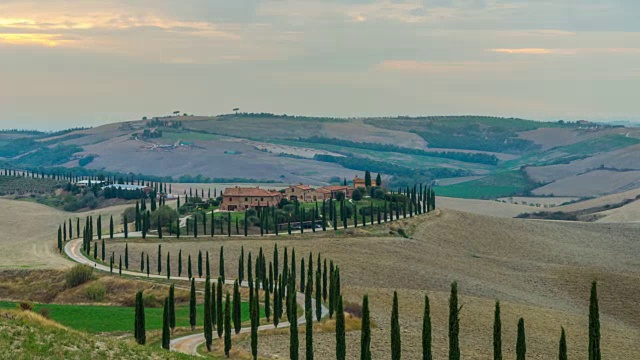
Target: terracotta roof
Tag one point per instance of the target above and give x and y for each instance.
(238, 191)
(335, 188)
(303, 187)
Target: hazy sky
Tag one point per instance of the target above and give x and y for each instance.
(79, 63)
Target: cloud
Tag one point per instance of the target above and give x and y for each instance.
(413, 66)
(49, 40)
(566, 51)
(524, 51)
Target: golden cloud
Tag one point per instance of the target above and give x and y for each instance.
(49, 40)
(524, 51)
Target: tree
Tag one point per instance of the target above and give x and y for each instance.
(172, 307)
(165, 325)
(222, 263)
(126, 227)
(365, 334)
(426, 330)
(309, 334)
(180, 263)
(60, 239)
(199, 263)
(207, 268)
(148, 266)
(219, 314)
(189, 269)
(454, 324)
(126, 254)
(227, 326)
(378, 180)
(367, 179)
(237, 322)
(497, 334)
(159, 259)
(192, 305)
(214, 307)
(594, 324)
(318, 296)
(562, 351)
(521, 343)
(140, 332)
(341, 346)
(293, 323)
(324, 280)
(111, 228)
(168, 265)
(104, 252)
(208, 331)
(255, 322)
(396, 345)
(241, 266)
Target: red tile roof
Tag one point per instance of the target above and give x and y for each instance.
(335, 188)
(303, 187)
(253, 192)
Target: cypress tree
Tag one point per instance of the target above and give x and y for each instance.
(172, 307)
(207, 268)
(241, 265)
(111, 228)
(245, 223)
(126, 227)
(195, 226)
(142, 261)
(426, 331)
(168, 265)
(454, 324)
(126, 255)
(120, 266)
(497, 334)
(148, 265)
(255, 322)
(111, 264)
(341, 346)
(189, 269)
(159, 229)
(309, 334)
(159, 259)
(214, 307)
(302, 275)
(165, 325)
(60, 239)
(178, 228)
(140, 331)
(99, 226)
(219, 315)
(192, 305)
(270, 287)
(267, 303)
(95, 249)
(104, 251)
(285, 267)
(208, 331)
(594, 324)
(276, 305)
(365, 334)
(318, 297)
(227, 326)
(521, 344)
(180, 263)
(237, 324)
(222, 263)
(324, 281)
(199, 263)
(562, 349)
(396, 346)
(293, 323)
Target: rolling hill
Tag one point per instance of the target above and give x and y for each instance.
(499, 157)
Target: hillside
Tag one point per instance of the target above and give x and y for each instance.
(513, 156)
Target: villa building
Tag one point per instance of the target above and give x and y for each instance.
(239, 198)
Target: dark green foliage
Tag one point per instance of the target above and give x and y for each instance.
(207, 268)
(208, 331)
(237, 322)
(426, 331)
(168, 265)
(497, 334)
(199, 263)
(192, 305)
(172, 307)
(562, 348)
(255, 322)
(241, 266)
(594, 324)
(318, 297)
(189, 268)
(159, 259)
(214, 308)
(180, 263)
(227, 326)
(126, 227)
(341, 345)
(140, 332)
(293, 323)
(221, 263)
(309, 334)
(454, 324)
(60, 240)
(126, 255)
(521, 342)
(219, 315)
(396, 345)
(324, 281)
(166, 338)
(111, 228)
(365, 334)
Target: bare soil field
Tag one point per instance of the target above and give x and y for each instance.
(549, 201)
(592, 183)
(357, 130)
(483, 207)
(601, 201)
(629, 213)
(539, 270)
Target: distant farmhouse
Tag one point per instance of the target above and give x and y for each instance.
(239, 198)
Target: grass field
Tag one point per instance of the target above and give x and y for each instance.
(601, 144)
(98, 319)
(494, 186)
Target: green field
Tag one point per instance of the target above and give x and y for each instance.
(501, 184)
(598, 145)
(97, 319)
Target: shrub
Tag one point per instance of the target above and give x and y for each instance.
(79, 275)
(378, 194)
(354, 309)
(45, 313)
(357, 194)
(24, 306)
(96, 292)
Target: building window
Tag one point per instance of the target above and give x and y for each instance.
(246, 199)
(261, 199)
(229, 199)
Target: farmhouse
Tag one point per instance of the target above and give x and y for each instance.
(239, 198)
(358, 182)
(85, 183)
(302, 193)
(128, 187)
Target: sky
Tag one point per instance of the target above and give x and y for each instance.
(67, 63)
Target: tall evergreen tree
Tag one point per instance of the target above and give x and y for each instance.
(220, 316)
(126, 227)
(180, 263)
(454, 324)
(208, 331)
(172, 307)
(126, 255)
(237, 321)
(168, 265)
(302, 275)
(166, 338)
(309, 334)
(378, 180)
(365, 334)
(60, 239)
(227, 326)
(318, 296)
(199, 263)
(293, 323)
(207, 268)
(104, 254)
(341, 345)
(426, 331)
(255, 322)
(192, 305)
(159, 259)
(367, 179)
(189, 268)
(396, 345)
(594, 324)
(221, 263)
(140, 331)
(497, 334)
(148, 266)
(521, 343)
(324, 280)
(562, 348)
(111, 228)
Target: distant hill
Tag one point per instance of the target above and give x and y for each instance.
(512, 156)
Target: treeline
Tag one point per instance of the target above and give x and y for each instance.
(419, 175)
(479, 158)
(285, 116)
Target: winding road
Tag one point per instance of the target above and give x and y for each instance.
(186, 344)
